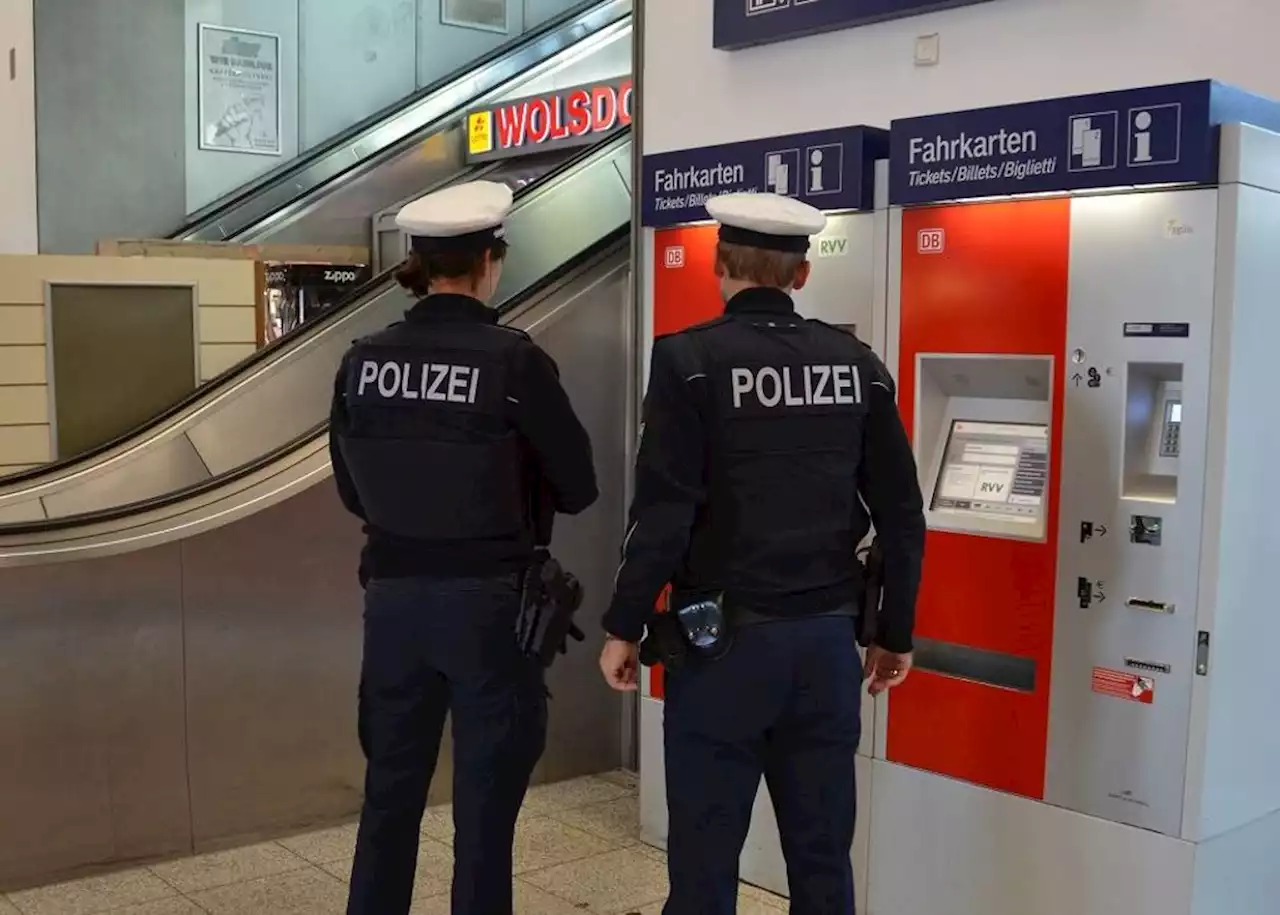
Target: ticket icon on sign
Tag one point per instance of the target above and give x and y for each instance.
(480, 132)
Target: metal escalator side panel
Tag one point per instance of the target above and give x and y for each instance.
(580, 323)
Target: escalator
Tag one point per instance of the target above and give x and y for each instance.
(270, 411)
(328, 196)
(180, 620)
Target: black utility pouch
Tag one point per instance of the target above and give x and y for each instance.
(705, 627)
(664, 643)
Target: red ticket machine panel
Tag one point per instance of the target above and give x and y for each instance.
(685, 292)
(984, 280)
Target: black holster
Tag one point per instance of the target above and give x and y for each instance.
(549, 597)
(873, 587)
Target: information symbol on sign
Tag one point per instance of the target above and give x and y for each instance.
(1155, 135)
(673, 256)
(824, 170)
(931, 241)
(782, 172)
(1095, 141)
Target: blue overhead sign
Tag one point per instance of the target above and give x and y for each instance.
(1156, 135)
(831, 169)
(743, 23)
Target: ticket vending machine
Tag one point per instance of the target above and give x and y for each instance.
(1082, 319)
(836, 171)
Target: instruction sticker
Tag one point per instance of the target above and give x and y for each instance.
(1121, 685)
(479, 132)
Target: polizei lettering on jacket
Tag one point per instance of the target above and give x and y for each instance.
(796, 386)
(418, 381)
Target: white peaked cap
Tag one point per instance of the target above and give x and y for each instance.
(464, 209)
(766, 220)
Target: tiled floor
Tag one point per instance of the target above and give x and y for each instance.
(577, 851)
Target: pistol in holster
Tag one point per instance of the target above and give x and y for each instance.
(872, 558)
(549, 597)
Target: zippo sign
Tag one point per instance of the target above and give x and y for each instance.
(743, 23)
(576, 116)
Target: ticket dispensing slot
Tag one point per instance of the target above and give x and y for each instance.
(983, 443)
(1153, 431)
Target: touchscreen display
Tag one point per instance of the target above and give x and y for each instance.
(994, 469)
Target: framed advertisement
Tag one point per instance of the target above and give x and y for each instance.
(239, 90)
(483, 15)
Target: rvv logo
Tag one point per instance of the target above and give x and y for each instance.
(674, 256)
(931, 241)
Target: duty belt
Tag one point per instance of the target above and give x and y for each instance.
(741, 616)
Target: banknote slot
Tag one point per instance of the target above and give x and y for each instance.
(992, 668)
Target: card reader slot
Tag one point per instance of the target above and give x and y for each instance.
(1153, 606)
(990, 667)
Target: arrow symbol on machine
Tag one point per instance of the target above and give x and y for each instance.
(1102, 530)
(1098, 593)
(1077, 378)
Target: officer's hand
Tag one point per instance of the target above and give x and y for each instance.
(620, 664)
(885, 669)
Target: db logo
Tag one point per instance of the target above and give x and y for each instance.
(674, 256)
(931, 241)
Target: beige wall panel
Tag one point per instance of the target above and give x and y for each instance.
(220, 282)
(23, 405)
(24, 444)
(222, 324)
(22, 324)
(22, 365)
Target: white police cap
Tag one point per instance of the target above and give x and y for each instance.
(766, 221)
(469, 215)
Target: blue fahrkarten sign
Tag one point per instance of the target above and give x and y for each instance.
(1155, 135)
(830, 169)
(743, 23)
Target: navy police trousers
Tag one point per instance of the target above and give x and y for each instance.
(432, 647)
(784, 704)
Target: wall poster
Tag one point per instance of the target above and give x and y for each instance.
(485, 15)
(239, 91)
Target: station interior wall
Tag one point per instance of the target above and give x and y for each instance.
(226, 331)
(125, 88)
(991, 54)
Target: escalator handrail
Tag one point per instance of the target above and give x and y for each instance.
(117, 512)
(294, 338)
(583, 20)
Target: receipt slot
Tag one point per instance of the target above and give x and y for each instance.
(1087, 376)
(846, 286)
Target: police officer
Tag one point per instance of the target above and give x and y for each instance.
(443, 427)
(768, 440)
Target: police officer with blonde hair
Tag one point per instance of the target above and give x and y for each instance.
(770, 444)
(447, 429)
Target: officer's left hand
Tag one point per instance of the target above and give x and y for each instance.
(620, 664)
